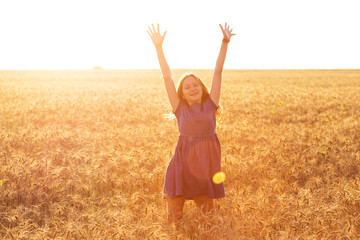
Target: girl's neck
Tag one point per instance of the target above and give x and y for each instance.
(191, 103)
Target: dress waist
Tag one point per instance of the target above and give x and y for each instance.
(202, 136)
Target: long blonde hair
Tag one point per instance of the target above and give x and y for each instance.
(205, 94)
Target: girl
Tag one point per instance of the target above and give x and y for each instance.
(197, 154)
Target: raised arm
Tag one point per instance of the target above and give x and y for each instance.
(158, 40)
(217, 77)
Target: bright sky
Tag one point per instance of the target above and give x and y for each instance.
(276, 34)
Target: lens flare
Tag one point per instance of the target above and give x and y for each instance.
(219, 177)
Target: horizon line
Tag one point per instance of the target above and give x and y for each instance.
(136, 69)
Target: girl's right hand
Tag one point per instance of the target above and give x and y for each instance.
(155, 36)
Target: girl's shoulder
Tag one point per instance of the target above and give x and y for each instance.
(180, 106)
(210, 103)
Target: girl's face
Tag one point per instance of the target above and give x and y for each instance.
(192, 91)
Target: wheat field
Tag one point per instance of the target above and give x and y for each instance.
(83, 155)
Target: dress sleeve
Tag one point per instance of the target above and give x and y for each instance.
(179, 106)
(211, 103)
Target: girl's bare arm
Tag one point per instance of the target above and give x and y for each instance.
(158, 40)
(217, 76)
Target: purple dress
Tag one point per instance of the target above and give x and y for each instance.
(197, 155)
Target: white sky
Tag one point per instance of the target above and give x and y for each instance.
(276, 34)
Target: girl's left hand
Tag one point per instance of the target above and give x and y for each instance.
(226, 32)
(156, 36)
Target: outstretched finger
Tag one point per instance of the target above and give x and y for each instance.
(153, 28)
(158, 29)
(150, 31)
(222, 29)
(164, 34)
(150, 34)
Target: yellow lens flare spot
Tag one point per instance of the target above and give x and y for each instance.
(219, 177)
